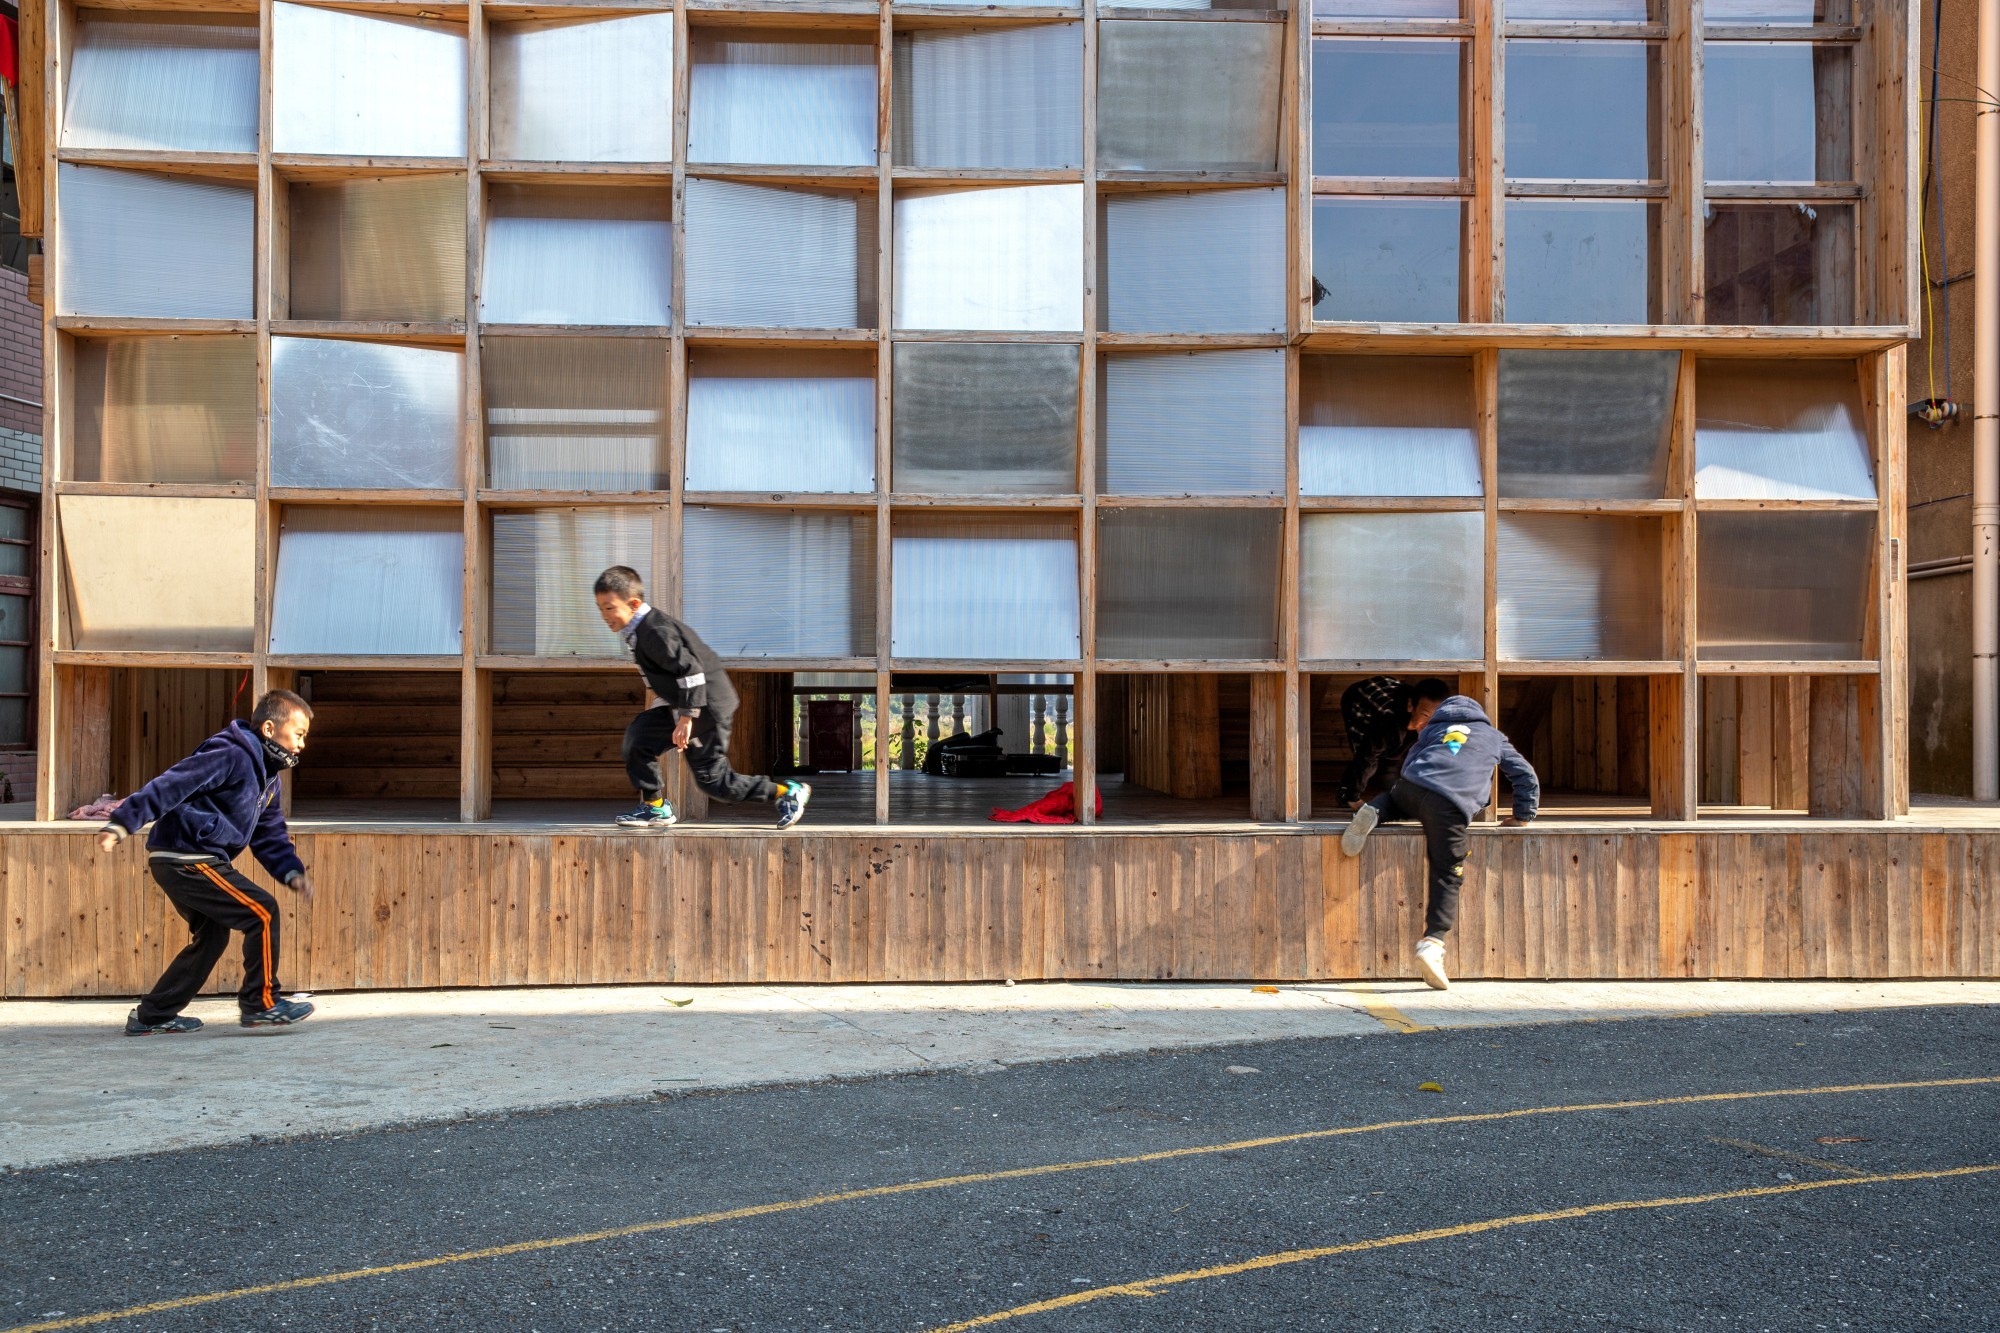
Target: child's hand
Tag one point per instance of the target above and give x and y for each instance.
(302, 884)
(683, 732)
(106, 840)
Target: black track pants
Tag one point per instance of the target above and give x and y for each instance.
(707, 756)
(1444, 826)
(214, 900)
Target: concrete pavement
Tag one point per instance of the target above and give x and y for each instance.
(77, 1089)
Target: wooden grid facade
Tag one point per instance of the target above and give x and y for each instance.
(1857, 709)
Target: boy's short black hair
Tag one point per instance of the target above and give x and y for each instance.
(1431, 689)
(620, 581)
(278, 706)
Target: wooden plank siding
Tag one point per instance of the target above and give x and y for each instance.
(405, 909)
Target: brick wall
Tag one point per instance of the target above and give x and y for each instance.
(20, 447)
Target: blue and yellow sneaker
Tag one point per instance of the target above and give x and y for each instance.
(136, 1026)
(792, 798)
(649, 815)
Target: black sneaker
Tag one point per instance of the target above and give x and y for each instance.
(135, 1027)
(649, 816)
(792, 805)
(282, 1014)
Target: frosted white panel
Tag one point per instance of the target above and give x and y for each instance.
(364, 86)
(1392, 587)
(1190, 583)
(1780, 430)
(355, 415)
(1585, 425)
(1193, 423)
(165, 410)
(387, 248)
(997, 259)
(1209, 261)
(149, 574)
(1387, 425)
(985, 418)
(784, 98)
(579, 414)
(368, 582)
(1580, 261)
(820, 604)
(1772, 586)
(597, 90)
(781, 421)
(133, 243)
(1008, 97)
(559, 254)
(1188, 96)
(770, 257)
(544, 562)
(160, 81)
(985, 589)
(1578, 587)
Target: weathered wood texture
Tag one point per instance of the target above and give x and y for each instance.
(402, 909)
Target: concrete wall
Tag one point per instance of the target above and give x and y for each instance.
(1940, 461)
(20, 446)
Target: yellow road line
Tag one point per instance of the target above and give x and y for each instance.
(1786, 1155)
(952, 1182)
(1379, 1009)
(1153, 1286)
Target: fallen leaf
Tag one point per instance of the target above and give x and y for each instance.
(1841, 1138)
(678, 1004)
(1430, 1087)
(1265, 990)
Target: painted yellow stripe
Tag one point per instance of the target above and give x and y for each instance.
(953, 1182)
(1153, 1286)
(1379, 1009)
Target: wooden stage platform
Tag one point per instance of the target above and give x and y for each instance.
(409, 902)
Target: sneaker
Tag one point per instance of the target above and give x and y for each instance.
(649, 816)
(1358, 829)
(1430, 962)
(136, 1027)
(282, 1014)
(792, 805)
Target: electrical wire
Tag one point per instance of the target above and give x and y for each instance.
(1923, 217)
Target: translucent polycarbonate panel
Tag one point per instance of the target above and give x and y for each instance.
(544, 561)
(1579, 588)
(170, 247)
(366, 86)
(1585, 110)
(1780, 430)
(985, 418)
(1581, 261)
(1269, 6)
(1392, 587)
(1585, 425)
(1006, 259)
(1769, 12)
(1192, 423)
(151, 574)
(788, 98)
(1776, 111)
(1208, 261)
(1386, 107)
(761, 256)
(1387, 425)
(781, 421)
(163, 81)
(389, 248)
(1436, 10)
(1580, 11)
(383, 581)
(591, 90)
(985, 589)
(1188, 583)
(563, 254)
(173, 410)
(1394, 260)
(1779, 264)
(1782, 587)
(355, 415)
(1188, 96)
(1003, 97)
(575, 414)
(824, 606)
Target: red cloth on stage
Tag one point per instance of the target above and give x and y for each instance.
(1058, 807)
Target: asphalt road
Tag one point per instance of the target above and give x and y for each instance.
(1809, 1238)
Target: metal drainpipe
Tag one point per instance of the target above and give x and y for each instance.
(1986, 416)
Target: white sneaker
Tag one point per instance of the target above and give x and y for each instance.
(1358, 829)
(1430, 962)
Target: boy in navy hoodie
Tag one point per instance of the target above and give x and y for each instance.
(204, 811)
(1447, 779)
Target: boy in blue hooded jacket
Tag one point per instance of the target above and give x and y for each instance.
(1447, 779)
(204, 811)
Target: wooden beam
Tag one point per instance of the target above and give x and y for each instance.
(475, 693)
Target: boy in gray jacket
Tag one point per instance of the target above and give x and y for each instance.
(1447, 779)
